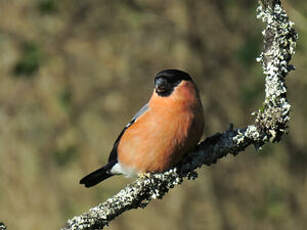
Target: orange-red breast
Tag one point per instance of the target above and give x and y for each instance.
(160, 134)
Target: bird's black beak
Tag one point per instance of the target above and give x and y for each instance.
(161, 85)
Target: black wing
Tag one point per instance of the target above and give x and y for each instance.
(104, 172)
(113, 154)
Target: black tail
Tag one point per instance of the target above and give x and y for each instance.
(98, 175)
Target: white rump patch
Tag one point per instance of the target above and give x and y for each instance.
(126, 171)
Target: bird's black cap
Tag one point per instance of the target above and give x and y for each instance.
(173, 75)
(166, 80)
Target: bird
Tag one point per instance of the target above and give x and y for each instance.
(160, 134)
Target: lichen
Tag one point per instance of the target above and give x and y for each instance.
(2, 226)
(281, 39)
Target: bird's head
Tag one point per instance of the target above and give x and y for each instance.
(167, 80)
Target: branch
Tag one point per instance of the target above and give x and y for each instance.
(2, 226)
(270, 124)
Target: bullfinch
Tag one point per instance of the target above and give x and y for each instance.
(160, 134)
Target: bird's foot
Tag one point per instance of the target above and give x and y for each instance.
(144, 175)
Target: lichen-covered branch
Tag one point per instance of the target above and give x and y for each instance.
(2, 226)
(279, 46)
(270, 124)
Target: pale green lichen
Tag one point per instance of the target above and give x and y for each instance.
(281, 39)
(2, 226)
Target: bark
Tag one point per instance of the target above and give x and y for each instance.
(2, 226)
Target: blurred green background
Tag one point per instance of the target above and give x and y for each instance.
(72, 74)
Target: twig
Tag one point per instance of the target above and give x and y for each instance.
(270, 124)
(2, 226)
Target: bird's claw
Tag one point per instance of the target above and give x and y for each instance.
(144, 175)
